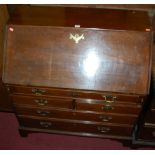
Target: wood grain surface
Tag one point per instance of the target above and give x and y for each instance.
(115, 61)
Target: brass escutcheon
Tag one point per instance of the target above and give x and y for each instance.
(76, 37)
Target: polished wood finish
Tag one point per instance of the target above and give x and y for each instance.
(71, 16)
(75, 114)
(82, 66)
(145, 133)
(112, 108)
(76, 75)
(56, 124)
(5, 104)
(75, 93)
(137, 7)
(46, 101)
(78, 104)
(142, 7)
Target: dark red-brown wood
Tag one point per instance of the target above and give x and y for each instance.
(43, 101)
(96, 85)
(75, 115)
(75, 93)
(59, 125)
(111, 108)
(46, 56)
(71, 16)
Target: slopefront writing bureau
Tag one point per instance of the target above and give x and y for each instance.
(76, 77)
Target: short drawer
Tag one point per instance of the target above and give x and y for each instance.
(107, 108)
(70, 126)
(76, 115)
(133, 99)
(19, 100)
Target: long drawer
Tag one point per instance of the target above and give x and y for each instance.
(74, 93)
(74, 126)
(76, 115)
(78, 104)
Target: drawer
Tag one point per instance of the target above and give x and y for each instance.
(133, 99)
(82, 105)
(70, 126)
(19, 100)
(107, 108)
(76, 115)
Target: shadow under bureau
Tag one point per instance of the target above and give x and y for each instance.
(77, 80)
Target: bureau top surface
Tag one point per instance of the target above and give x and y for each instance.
(101, 60)
(85, 17)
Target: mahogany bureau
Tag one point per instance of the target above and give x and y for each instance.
(76, 77)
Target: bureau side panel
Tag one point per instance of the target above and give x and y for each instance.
(5, 104)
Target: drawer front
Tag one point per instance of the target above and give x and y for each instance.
(55, 124)
(42, 101)
(76, 115)
(108, 108)
(83, 105)
(74, 93)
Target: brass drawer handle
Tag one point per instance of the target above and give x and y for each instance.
(41, 102)
(37, 91)
(43, 113)
(103, 129)
(107, 107)
(105, 118)
(45, 124)
(109, 98)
